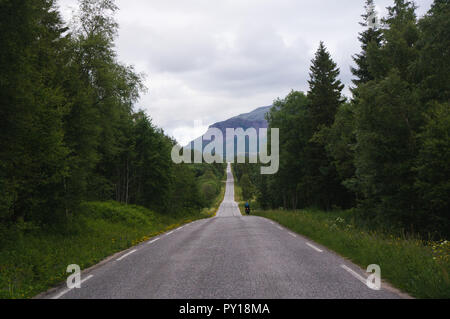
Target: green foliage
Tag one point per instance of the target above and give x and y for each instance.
(371, 36)
(340, 143)
(32, 151)
(210, 179)
(401, 34)
(390, 119)
(432, 67)
(387, 118)
(247, 187)
(320, 176)
(433, 169)
(291, 115)
(249, 184)
(324, 88)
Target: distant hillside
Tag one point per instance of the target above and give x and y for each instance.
(255, 119)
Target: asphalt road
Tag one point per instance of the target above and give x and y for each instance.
(228, 256)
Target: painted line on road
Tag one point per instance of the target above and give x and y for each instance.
(272, 223)
(280, 227)
(169, 233)
(127, 254)
(314, 247)
(293, 235)
(152, 241)
(355, 274)
(62, 293)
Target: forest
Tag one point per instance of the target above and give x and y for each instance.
(69, 129)
(384, 152)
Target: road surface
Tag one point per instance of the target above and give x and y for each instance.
(228, 256)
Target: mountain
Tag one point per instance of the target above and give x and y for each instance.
(255, 119)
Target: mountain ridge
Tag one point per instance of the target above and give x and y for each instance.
(253, 119)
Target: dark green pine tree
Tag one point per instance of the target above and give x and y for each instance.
(325, 98)
(324, 88)
(432, 164)
(372, 35)
(433, 66)
(31, 108)
(401, 36)
(263, 192)
(388, 117)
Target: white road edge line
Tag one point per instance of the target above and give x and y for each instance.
(293, 235)
(169, 232)
(62, 293)
(152, 241)
(127, 254)
(280, 227)
(314, 247)
(355, 274)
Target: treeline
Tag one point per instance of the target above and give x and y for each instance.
(68, 129)
(386, 150)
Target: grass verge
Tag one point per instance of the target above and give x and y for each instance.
(415, 266)
(210, 212)
(33, 260)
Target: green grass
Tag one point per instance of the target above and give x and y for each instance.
(238, 193)
(33, 260)
(417, 267)
(238, 197)
(211, 211)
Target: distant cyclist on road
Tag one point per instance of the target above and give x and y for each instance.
(247, 208)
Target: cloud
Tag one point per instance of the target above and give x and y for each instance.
(210, 60)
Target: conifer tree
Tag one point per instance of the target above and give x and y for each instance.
(325, 98)
(372, 35)
(32, 152)
(324, 88)
(387, 121)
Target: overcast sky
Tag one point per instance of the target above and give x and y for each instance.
(208, 60)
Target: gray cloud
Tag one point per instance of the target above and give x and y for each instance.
(210, 60)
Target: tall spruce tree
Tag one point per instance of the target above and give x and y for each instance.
(325, 97)
(32, 152)
(340, 138)
(387, 121)
(432, 165)
(433, 66)
(371, 35)
(324, 88)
